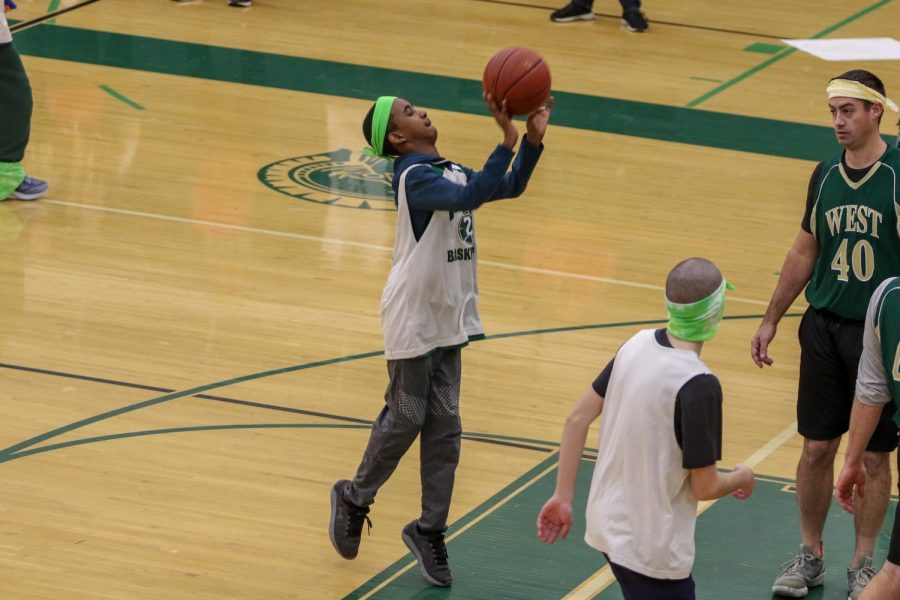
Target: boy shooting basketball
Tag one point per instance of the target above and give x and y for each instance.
(429, 311)
(660, 439)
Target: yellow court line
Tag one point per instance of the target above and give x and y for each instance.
(380, 248)
(469, 525)
(592, 586)
(771, 446)
(600, 580)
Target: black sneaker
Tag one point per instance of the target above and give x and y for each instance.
(240, 2)
(635, 20)
(431, 552)
(345, 527)
(571, 12)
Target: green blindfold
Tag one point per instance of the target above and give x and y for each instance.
(698, 321)
(380, 117)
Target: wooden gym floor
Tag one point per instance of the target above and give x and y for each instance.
(191, 352)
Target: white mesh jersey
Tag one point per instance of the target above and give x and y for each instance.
(641, 510)
(430, 299)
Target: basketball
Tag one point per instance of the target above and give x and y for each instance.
(520, 76)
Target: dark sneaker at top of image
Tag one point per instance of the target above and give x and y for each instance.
(572, 12)
(635, 20)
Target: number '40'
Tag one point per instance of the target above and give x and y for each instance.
(861, 261)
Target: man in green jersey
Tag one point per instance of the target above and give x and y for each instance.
(877, 384)
(848, 243)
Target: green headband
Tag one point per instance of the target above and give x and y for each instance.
(698, 321)
(380, 117)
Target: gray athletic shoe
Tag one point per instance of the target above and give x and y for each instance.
(345, 526)
(431, 553)
(859, 576)
(799, 574)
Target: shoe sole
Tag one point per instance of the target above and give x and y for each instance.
(587, 17)
(633, 29)
(331, 525)
(798, 592)
(787, 592)
(21, 196)
(415, 552)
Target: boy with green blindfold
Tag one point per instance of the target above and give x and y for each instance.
(429, 311)
(660, 439)
(15, 119)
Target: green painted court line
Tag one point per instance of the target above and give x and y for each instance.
(53, 7)
(131, 434)
(15, 449)
(740, 546)
(593, 113)
(784, 54)
(452, 545)
(501, 557)
(119, 96)
(707, 79)
(763, 48)
(174, 395)
(508, 438)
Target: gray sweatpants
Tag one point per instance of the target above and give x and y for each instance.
(422, 400)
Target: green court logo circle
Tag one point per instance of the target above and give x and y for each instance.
(334, 179)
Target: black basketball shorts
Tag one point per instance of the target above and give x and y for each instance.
(830, 347)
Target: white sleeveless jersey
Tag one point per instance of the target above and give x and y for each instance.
(641, 510)
(430, 300)
(5, 35)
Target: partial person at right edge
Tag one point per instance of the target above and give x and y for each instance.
(633, 18)
(16, 105)
(877, 384)
(847, 244)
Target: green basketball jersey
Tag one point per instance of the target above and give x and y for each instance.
(856, 225)
(887, 330)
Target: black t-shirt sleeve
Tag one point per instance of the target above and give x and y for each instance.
(811, 197)
(698, 422)
(602, 381)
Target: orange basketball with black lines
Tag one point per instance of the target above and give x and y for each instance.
(520, 76)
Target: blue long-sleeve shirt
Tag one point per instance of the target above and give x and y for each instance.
(427, 190)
